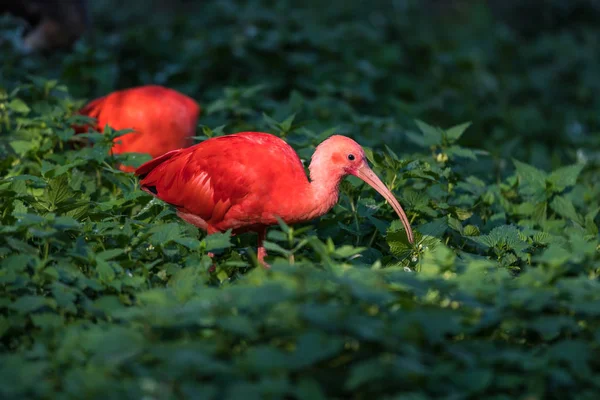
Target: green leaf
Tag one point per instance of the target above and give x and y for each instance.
(218, 241)
(239, 325)
(112, 346)
(109, 254)
(542, 238)
(190, 243)
(455, 224)
(265, 358)
(274, 247)
(590, 225)
(575, 353)
(19, 208)
(58, 191)
(348, 251)
(550, 327)
(19, 106)
(22, 147)
(17, 262)
(565, 208)
(463, 214)
(564, 177)
(4, 325)
(313, 347)
(185, 281)
(504, 235)
(309, 389)
(436, 227)
(417, 139)
(398, 240)
(105, 272)
(28, 304)
(65, 297)
(471, 230)
(365, 372)
(454, 133)
(66, 222)
(457, 151)
(134, 159)
(431, 135)
(286, 125)
(47, 321)
(554, 256)
(158, 297)
(64, 134)
(163, 234)
(532, 181)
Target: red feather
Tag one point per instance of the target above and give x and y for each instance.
(163, 119)
(224, 181)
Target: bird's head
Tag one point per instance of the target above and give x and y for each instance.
(339, 156)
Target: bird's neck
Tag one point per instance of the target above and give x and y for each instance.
(323, 190)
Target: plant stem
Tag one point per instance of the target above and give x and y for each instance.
(372, 237)
(355, 220)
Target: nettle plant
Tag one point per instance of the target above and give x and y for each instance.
(529, 213)
(106, 293)
(103, 289)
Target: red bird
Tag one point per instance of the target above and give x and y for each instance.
(163, 119)
(246, 180)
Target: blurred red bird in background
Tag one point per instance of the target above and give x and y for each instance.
(163, 119)
(246, 180)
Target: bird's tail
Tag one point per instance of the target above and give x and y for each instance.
(91, 109)
(145, 169)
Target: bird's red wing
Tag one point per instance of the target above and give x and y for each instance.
(145, 168)
(93, 108)
(205, 180)
(229, 182)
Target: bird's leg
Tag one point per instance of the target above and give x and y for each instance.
(213, 267)
(261, 252)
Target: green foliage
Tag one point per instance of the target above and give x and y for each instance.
(106, 292)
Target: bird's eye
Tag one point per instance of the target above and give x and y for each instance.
(351, 157)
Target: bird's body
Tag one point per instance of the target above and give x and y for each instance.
(246, 181)
(163, 119)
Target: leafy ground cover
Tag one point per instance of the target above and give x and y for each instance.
(105, 292)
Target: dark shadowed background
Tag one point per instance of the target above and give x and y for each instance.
(525, 73)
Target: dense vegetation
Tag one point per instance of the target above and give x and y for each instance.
(106, 293)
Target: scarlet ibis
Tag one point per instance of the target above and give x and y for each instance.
(246, 180)
(163, 119)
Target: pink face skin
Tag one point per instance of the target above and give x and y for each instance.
(348, 158)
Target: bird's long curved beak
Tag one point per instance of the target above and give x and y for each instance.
(366, 174)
